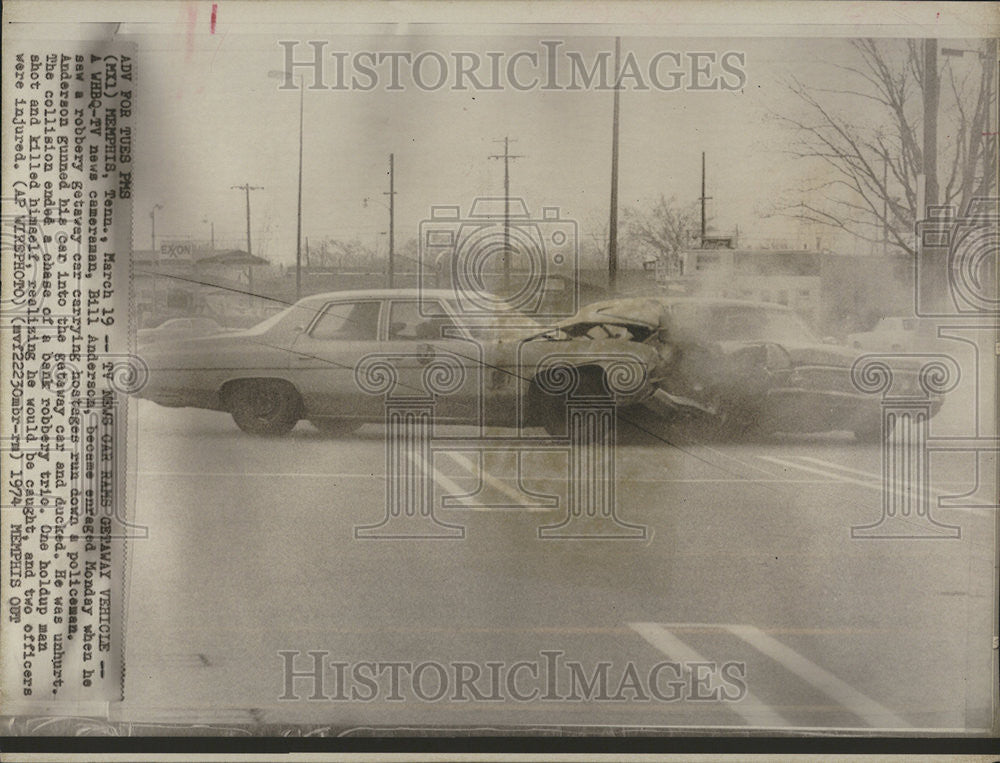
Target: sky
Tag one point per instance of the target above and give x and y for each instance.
(210, 118)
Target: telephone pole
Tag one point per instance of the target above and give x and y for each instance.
(703, 198)
(613, 221)
(931, 93)
(506, 156)
(247, 188)
(391, 193)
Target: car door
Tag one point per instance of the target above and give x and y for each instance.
(325, 354)
(421, 333)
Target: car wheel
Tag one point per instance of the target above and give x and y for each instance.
(335, 427)
(265, 407)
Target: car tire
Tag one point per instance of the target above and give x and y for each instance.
(265, 407)
(335, 427)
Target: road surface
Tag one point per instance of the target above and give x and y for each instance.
(745, 563)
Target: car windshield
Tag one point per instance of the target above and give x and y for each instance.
(739, 323)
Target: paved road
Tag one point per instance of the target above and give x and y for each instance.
(747, 561)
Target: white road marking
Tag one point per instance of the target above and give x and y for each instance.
(489, 479)
(935, 493)
(876, 714)
(752, 710)
(840, 478)
(444, 482)
(834, 465)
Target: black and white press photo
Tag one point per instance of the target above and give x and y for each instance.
(500, 371)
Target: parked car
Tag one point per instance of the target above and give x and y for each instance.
(309, 362)
(179, 328)
(895, 334)
(739, 366)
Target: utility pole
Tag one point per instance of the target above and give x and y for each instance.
(247, 188)
(885, 204)
(211, 224)
(506, 156)
(613, 221)
(703, 198)
(931, 93)
(391, 193)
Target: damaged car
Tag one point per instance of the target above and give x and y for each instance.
(324, 358)
(731, 367)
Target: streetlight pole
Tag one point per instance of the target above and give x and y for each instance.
(298, 223)
(288, 78)
(988, 59)
(613, 221)
(391, 193)
(152, 216)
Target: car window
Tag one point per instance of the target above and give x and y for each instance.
(348, 321)
(412, 320)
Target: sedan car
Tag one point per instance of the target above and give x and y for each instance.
(316, 359)
(738, 366)
(179, 328)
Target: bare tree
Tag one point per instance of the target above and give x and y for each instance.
(337, 253)
(661, 231)
(868, 134)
